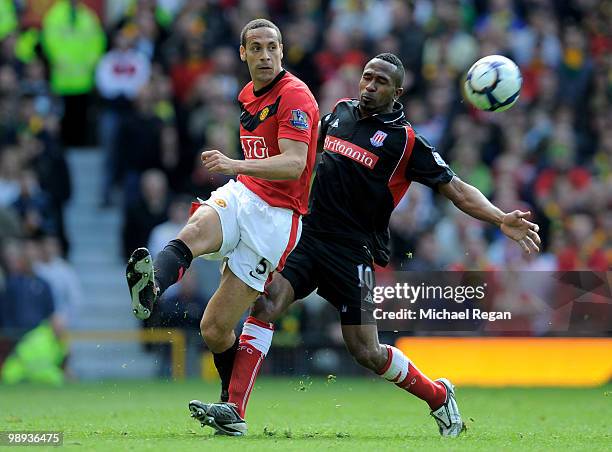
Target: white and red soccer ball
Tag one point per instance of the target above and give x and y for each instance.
(493, 83)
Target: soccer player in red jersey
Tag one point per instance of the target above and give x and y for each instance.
(252, 224)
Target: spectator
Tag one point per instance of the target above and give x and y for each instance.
(121, 73)
(472, 169)
(27, 300)
(73, 41)
(34, 206)
(576, 67)
(140, 142)
(584, 246)
(8, 18)
(28, 317)
(193, 62)
(178, 214)
(61, 277)
(149, 210)
(42, 153)
(337, 53)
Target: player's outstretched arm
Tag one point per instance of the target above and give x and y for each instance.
(289, 164)
(514, 224)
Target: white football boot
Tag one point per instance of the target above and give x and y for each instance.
(447, 416)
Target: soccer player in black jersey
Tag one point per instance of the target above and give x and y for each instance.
(371, 154)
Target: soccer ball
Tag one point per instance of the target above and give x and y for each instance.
(493, 83)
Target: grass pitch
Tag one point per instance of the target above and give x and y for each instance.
(289, 414)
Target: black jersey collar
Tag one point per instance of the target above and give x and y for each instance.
(269, 86)
(387, 118)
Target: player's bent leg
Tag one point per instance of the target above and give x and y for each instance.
(390, 363)
(256, 339)
(362, 343)
(242, 361)
(252, 347)
(217, 326)
(148, 280)
(267, 308)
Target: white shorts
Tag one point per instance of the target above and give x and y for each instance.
(257, 238)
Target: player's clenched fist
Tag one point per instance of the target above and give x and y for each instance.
(217, 162)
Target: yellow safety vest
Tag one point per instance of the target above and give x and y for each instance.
(72, 47)
(8, 18)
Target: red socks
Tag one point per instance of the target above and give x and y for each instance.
(254, 344)
(399, 370)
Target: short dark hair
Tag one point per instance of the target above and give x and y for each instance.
(259, 23)
(398, 74)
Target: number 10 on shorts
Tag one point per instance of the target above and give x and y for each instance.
(366, 276)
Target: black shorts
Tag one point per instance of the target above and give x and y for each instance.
(343, 274)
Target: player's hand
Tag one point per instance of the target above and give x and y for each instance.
(515, 226)
(217, 162)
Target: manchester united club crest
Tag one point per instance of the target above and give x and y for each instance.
(264, 113)
(378, 138)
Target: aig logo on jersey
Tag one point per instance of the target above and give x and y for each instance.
(378, 138)
(254, 147)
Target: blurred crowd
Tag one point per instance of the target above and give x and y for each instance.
(153, 82)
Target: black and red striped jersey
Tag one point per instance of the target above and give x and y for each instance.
(366, 167)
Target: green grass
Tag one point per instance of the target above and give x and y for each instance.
(286, 414)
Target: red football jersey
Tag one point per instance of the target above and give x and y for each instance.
(285, 108)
